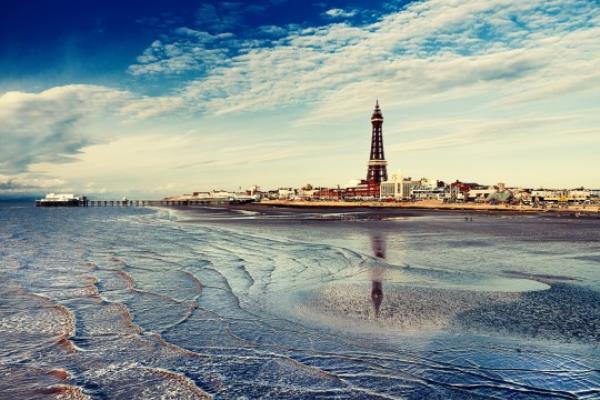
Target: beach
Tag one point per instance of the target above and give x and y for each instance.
(273, 302)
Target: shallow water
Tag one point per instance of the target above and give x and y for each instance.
(139, 303)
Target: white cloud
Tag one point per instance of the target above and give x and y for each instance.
(28, 183)
(430, 49)
(54, 127)
(148, 107)
(339, 13)
(190, 54)
(51, 125)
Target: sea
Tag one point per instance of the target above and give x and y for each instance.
(274, 303)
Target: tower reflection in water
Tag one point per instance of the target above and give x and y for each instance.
(378, 244)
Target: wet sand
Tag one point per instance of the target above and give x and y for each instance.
(334, 211)
(277, 303)
(435, 205)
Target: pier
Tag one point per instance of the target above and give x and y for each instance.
(139, 203)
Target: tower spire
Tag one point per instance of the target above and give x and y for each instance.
(377, 115)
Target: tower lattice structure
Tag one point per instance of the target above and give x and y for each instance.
(377, 171)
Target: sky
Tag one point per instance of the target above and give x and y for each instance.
(147, 99)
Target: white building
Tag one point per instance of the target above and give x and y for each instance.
(61, 197)
(579, 195)
(562, 195)
(425, 189)
(521, 195)
(307, 194)
(286, 194)
(201, 195)
(221, 194)
(213, 194)
(480, 195)
(547, 195)
(396, 188)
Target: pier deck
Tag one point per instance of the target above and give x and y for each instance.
(139, 203)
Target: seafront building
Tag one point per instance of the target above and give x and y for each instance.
(574, 195)
(396, 188)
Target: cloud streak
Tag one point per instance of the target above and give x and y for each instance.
(28, 183)
(49, 126)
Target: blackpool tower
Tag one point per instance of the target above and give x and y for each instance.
(377, 171)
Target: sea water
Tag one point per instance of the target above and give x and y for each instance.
(138, 303)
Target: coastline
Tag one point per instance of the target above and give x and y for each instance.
(432, 205)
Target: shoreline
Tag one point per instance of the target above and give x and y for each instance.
(429, 205)
(280, 212)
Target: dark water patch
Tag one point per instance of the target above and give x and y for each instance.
(541, 277)
(593, 258)
(565, 312)
(471, 243)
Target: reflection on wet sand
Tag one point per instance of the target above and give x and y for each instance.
(378, 244)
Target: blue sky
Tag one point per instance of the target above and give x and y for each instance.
(155, 98)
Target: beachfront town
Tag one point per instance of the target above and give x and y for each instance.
(399, 189)
(378, 187)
